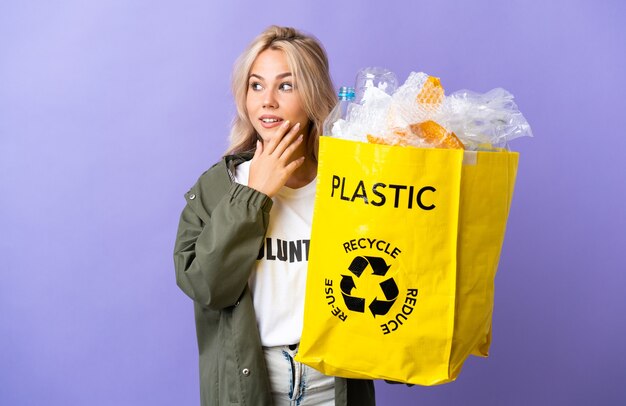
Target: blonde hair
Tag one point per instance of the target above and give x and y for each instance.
(308, 63)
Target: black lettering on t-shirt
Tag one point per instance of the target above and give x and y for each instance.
(284, 250)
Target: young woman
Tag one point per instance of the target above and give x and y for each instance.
(242, 245)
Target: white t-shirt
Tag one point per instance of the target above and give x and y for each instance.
(278, 283)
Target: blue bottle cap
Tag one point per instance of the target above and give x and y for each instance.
(346, 93)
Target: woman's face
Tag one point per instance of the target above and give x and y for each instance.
(272, 97)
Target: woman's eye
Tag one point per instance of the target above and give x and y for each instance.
(255, 86)
(286, 86)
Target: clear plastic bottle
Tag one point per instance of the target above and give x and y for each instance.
(381, 78)
(340, 111)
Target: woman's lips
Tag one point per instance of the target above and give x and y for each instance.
(270, 121)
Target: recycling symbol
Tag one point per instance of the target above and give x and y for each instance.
(377, 306)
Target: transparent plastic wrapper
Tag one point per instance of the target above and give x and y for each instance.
(418, 99)
(418, 113)
(479, 119)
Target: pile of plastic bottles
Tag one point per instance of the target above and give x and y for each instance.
(418, 113)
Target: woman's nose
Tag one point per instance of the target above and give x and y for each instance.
(269, 100)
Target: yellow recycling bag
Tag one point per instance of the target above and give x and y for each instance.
(388, 251)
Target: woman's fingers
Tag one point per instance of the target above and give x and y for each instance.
(286, 140)
(275, 141)
(291, 148)
(293, 165)
(273, 162)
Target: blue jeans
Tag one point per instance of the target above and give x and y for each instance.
(296, 384)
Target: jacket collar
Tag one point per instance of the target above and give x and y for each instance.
(231, 161)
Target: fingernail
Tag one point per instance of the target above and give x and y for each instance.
(286, 123)
(297, 125)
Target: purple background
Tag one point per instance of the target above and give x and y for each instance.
(110, 110)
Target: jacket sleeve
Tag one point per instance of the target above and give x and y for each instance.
(214, 255)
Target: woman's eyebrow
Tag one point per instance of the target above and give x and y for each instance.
(280, 76)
